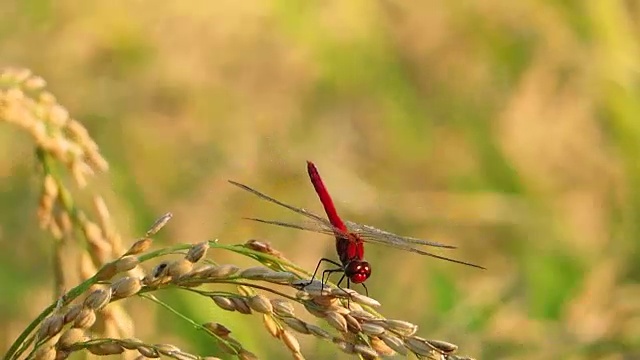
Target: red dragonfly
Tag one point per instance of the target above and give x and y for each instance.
(350, 237)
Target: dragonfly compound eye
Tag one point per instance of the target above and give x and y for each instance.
(358, 271)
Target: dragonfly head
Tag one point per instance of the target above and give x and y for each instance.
(358, 271)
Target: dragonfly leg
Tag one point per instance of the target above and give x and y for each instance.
(326, 273)
(348, 287)
(366, 291)
(315, 272)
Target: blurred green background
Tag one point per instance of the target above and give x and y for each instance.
(508, 128)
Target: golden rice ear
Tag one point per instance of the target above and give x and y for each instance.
(139, 246)
(100, 274)
(51, 326)
(125, 287)
(97, 299)
(85, 319)
(72, 337)
(197, 252)
(179, 268)
(260, 303)
(158, 225)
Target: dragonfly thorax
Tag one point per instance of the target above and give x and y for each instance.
(357, 271)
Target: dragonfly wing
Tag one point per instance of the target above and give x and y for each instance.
(266, 197)
(323, 228)
(406, 247)
(422, 252)
(372, 234)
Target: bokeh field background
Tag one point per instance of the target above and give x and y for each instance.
(508, 128)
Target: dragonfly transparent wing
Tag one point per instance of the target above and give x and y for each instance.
(300, 211)
(377, 236)
(372, 234)
(316, 223)
(319, 227)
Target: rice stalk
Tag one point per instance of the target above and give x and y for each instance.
(111, 273)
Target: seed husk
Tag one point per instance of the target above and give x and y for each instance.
(280, 277)
(72, 313)
(418, 345)
(443, 346)
(352, 324)
(224, 302)
(365, 300)
(394, 342)
(107, 272)
(71, 337)
(160, 270)
(200, 271)
(241, 305)
(217, 329)
(365, 351)
(148, 352)
(125, 287)
(97, 299)
(139, 246)
(282, 307)
(271, 325)
(315, 289)
(85, 319)
(379, 346)
(371, 329)
(314, 310)
(159, 224)
(197, 252)
(258, 245)
(263, 247)
(45, 353)
(303, 295)
(290, 341)
(362, 315)
(167, 349)
(179, 268)
(400, 326)
(51, 341)
(221, 272)
(188, 281)
(51, 326)
(354, 307)
(107, 348)
(150, 281)
(126, 263)
(336, 320)
(328, 302)
(255, 273)
(261, 304)
(296, 324)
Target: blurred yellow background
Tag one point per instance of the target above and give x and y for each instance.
(508, 128)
